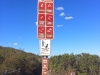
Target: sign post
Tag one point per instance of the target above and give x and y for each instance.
(45, 30)
(45, 65)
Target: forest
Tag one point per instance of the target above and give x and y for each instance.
(31, 64)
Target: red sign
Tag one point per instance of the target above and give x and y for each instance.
(49, 20)
(41, 7)
(44, 66)
(41, 19)
(45, 63)
(49, 8)
(49, 32)
(41, 32)
(45, 6)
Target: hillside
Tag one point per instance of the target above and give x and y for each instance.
(13, 59)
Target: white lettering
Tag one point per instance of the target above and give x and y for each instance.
(49, 23)
(41, 22)
(49, 10)
(49, 35)
(41, 36)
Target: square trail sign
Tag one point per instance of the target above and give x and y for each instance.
(44, 47)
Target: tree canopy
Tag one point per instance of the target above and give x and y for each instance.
(13, 59)
(31, 64)
(82, 64)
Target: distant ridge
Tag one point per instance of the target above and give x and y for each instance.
(13, 59)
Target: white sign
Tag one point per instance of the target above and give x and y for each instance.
(45, 47)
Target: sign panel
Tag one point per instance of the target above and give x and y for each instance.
(41, 32)
(45, 19)
(49, 8)
(49, 33)
(41, 7)
(44, 47)
(41, 19)
(44, 66)
(49, 19)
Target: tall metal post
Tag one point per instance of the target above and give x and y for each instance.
(45, 30)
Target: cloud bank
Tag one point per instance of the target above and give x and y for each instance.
(59, 8)
(62, 14)
(68, 18)
(15, 44)
(60, 25)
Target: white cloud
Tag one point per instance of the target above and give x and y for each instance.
(15, 44)
(59, 8)
(36, 23)
(68, 18)
(60, 25)
(62, 14)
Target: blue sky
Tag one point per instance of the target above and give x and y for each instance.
(76, 26)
